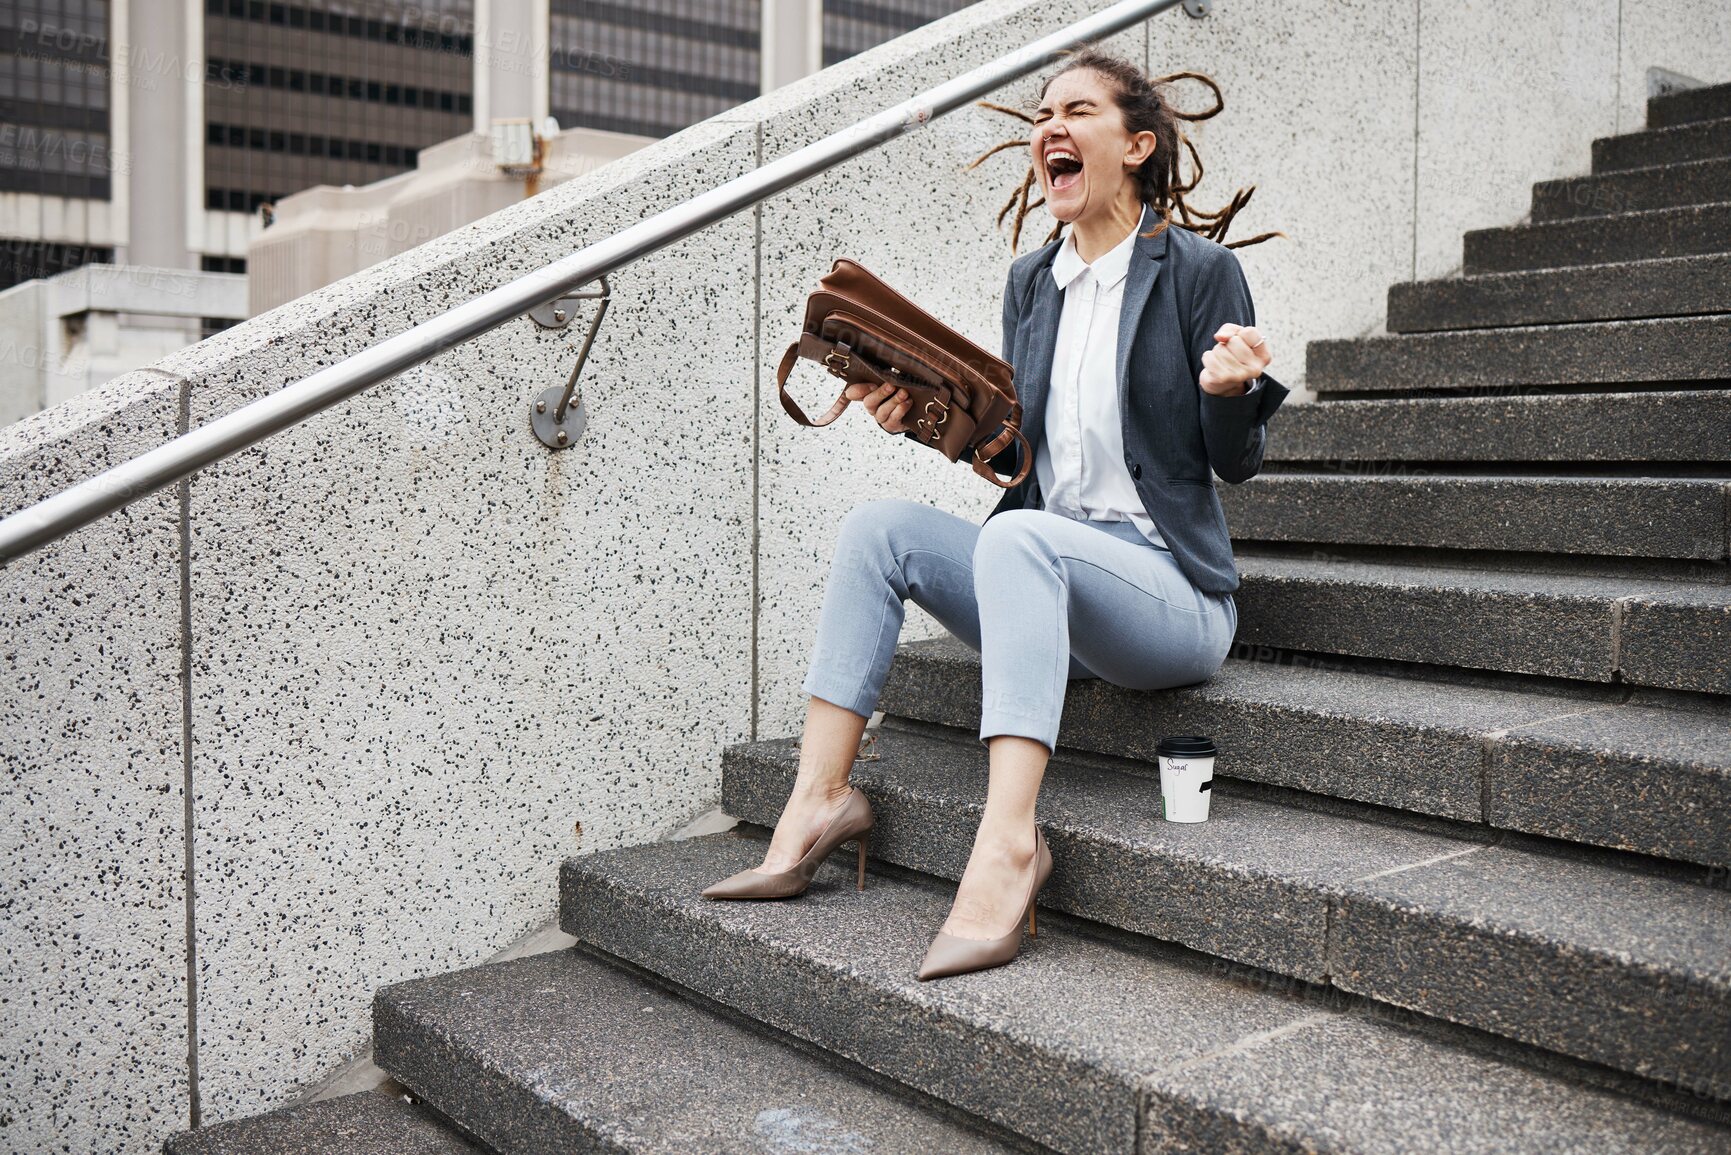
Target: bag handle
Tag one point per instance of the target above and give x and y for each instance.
(985, 470)
(851, 370)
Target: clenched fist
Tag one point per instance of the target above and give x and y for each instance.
(1238, 358)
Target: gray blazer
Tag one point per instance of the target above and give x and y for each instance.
(1181, 287)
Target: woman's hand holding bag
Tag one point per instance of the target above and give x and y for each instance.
(887, 404)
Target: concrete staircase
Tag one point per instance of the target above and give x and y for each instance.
(1467, 882)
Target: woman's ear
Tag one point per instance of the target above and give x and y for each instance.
(1137, 155)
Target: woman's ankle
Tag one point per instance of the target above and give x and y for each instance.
(819, 789)
(1014, 844)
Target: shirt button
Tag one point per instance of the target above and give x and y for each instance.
(1136, 471)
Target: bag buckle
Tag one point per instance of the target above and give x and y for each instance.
(931, 427)
(846, 360)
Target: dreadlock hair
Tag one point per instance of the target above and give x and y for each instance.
(1144, 106)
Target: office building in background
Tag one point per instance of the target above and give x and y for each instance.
(156, 155)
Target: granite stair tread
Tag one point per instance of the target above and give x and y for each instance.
(1631, 290)
(1597, 961)
(1646, 517)
(1084, 1044)
(1687, 230)
(1689, 425)
(1667, 184)
(1696, 140)
(563, 1051)
(1514, 759)
(1690, 106)
(1640, 631)
(1620, 352)
(362, 1123)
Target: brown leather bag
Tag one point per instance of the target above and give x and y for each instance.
(861, 330)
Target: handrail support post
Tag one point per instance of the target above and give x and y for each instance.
(548, 416)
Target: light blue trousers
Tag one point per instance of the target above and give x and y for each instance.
(1041, 597)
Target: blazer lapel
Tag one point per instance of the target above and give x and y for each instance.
(1048, 303)
(1146, 261)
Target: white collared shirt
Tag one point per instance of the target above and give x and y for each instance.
(1080, 459)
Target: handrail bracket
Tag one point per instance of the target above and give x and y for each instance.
(557, 417)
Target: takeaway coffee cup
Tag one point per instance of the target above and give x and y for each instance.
(1186, 777)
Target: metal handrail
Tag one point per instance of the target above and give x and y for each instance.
(84, 502)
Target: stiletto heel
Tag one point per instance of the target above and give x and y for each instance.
(852, 821)
(952, 955)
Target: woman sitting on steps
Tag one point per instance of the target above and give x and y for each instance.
(1139, 370)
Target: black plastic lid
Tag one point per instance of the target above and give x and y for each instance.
(1187, 746)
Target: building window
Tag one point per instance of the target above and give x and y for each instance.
(54, 102)
(213, 264)
(291, 135)
(663, 67)
(24, 259)
(852, 26)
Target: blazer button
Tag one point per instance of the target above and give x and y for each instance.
(1136, 471)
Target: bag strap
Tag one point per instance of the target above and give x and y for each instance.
(1012, 423)
(984, 470)
(839, 359)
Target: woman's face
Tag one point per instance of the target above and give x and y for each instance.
(1081, 146)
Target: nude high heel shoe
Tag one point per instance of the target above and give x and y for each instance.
(853, 820)
(952, 955)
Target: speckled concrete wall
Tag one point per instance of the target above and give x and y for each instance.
(422, 648)
(93, 1021)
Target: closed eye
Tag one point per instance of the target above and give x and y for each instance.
(1076, 107)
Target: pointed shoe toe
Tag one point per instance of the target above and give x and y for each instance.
(853, 821)
(953, 955)
(756, 884)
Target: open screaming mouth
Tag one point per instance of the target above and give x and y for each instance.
(1065, 167)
